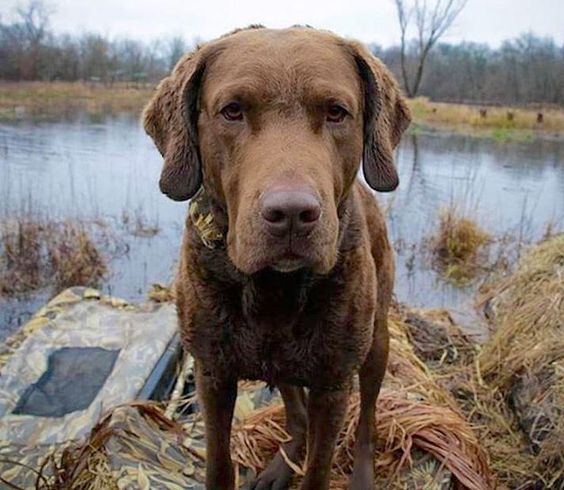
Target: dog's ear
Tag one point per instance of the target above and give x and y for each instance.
(386, 117)
(171, 118)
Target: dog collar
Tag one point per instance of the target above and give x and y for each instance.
(204, 222)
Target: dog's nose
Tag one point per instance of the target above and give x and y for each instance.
(290, 211)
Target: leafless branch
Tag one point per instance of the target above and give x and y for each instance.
(432, 18)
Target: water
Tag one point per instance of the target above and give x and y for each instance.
(93, 168)
(514, 187)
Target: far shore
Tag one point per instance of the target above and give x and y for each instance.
(48, 100)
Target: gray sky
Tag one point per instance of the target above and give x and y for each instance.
(489, 21)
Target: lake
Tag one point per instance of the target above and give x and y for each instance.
(107, 169)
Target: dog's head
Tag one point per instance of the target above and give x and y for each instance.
(274, 124)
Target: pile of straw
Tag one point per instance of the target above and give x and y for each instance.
(524, 359)
(410, 432)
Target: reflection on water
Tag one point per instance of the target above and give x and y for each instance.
(92, 168)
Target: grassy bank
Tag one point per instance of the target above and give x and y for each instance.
(46, 99)
(20, 100)
(499, 122)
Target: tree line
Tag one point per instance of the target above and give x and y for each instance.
(30, 50)
(528, 69)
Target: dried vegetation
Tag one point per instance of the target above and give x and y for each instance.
(458, 246)
(36, 252)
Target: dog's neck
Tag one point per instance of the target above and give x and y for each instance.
(268, 295)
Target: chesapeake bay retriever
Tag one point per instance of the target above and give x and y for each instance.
(286, 272)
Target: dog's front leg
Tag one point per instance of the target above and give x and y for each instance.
(326, 412)
(217, 394)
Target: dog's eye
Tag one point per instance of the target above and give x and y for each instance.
(233, 112)
(336, 113)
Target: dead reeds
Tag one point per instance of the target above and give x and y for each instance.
(457, 246)
(512, 389)
(36, 252)
(405, 427)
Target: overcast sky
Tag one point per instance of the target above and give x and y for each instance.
(489, 21)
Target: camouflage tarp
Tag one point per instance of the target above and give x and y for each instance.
(78, 317)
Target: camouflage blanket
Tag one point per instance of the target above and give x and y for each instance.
(76, 318)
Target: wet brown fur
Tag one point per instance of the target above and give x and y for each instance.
(315, 326)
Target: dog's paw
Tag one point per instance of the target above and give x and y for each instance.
(276, 476)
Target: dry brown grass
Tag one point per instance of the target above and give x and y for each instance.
(404, 426)
(530, 306)
(458, 245)
(497, 429)
(37, 252)
(74, 258)
(512, 391)
(524, 359)
(497, 119)
(23, 99)
(451, 359)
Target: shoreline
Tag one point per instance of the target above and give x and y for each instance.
(500, 136)
(47, 100)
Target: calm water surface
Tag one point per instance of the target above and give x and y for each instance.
(102, 168)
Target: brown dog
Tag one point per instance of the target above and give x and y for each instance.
(286, 272)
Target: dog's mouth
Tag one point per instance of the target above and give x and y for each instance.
(252, 248)
(290, 262)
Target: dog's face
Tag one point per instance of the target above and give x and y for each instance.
(275, 124)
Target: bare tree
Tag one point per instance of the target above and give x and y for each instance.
(431, 19)
(34, 21)
(27, 38)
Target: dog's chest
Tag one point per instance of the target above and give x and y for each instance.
(284, 331)
(273, 352)
(306, 349)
